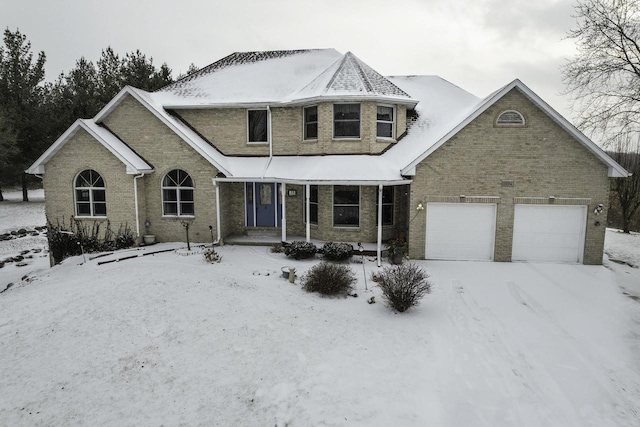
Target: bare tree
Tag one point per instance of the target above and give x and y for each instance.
(604, 77)
(626, 151)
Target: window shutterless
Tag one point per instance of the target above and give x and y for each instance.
(90, 194)
(177, 194)
(346, 120)
(310, 122)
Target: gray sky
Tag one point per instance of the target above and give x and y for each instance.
(479, 45)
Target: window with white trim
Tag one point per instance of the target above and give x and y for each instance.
(177, 194)
(510, 118)
(346, 206)
(310, 115)
(257, 126)
(387, 205)
(90, 194)
(346, 120)
(313, 205)
(385, 120)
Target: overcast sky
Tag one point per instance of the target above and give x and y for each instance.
(479, 45)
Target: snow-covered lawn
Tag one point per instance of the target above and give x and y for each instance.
(172, 340)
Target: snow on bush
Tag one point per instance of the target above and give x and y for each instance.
(403, 285)
(329, 279)
(300, 250)
(337, 251)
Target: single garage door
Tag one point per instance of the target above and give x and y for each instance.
(549, 233)
(460, 231)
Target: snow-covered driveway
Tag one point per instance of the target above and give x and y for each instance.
(172, 340)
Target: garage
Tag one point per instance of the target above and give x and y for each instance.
(460, 231)
(546, 233)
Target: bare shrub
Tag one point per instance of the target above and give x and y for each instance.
(403, 285)
(329, 279)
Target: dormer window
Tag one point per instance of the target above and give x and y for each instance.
(384, 121)
(346, 121)
(510, 118)
(258, 127)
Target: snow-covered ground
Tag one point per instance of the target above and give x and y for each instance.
(173, 340)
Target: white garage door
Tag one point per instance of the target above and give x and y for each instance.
(460, 231)
(549, 233)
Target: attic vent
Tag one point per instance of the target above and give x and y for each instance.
(510, 118)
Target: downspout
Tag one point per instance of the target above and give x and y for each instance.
(135, 197)
(218, 231)
(269, 137)
(379, 225)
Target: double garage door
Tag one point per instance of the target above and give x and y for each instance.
(542, 233)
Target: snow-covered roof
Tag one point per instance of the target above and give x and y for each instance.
(280, 77)
(133, 162)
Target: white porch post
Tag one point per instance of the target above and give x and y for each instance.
(379, 225)
(218, 231)
(308, 211)
(283, 189)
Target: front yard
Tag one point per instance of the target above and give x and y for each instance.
(174, 340)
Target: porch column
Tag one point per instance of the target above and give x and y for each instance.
(308, 210)
(283, 189)
(379, 225)
(218, 231)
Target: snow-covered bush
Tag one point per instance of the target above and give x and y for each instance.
(337, 251)
(329, 279)
(300, 250)
(403, 285)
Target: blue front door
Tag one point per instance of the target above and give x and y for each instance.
(262, 204)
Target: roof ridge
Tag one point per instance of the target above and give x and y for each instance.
(358, 67)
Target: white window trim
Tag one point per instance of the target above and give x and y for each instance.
(346, 227)
(393, 123)
(304, 205)
(90, 189)
(333, 125)
(393, 206)
(304, 124)
(247, 121)
(524, 122)
(162, 188)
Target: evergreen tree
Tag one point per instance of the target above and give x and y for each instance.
(8, 153)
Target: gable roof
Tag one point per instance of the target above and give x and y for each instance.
(472, 110)
(278, 78)
(133, 162)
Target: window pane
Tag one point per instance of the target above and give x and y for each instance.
(169, 195)
(257, 125)
(346, 111)
(313, 193)
(186, 208)
(170, 208)
(349, 129)
(98, 182)
(311, 114)
(84, 179)
(82, 195)
(385, 113)
(346, 195)
(186, 195)
(313, 213)
(387, 195)
(311, 131)
(346, 215)
(385, 130)
(99, 196)
(100, 209)
(387, 214)
(84, 209)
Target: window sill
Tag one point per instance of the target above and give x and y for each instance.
(258, 143)
(382, 139)
(305, 141)
(103, 218)
(178, 217)
(342, 139)
(347, 227)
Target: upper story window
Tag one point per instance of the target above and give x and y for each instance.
(346, 206)
(177, 194)
(384, 121)
(346, 120)
(257, 126)
(510, 118)
(387, 206)
(310, 122)
(90, 194)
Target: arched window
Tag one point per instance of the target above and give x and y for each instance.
(177, 194)
(90, 194)
(510, 118)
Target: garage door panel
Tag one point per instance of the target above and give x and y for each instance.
(460, 231)
(548, 233)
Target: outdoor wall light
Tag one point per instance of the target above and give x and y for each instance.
(598, 209)
(420, 206)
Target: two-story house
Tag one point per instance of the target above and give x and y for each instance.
(316, 143)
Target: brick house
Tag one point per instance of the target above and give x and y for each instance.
(317, 144)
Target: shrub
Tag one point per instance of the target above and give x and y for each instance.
(403, 285)
(300, 250)
(337, 251)
(329, 279)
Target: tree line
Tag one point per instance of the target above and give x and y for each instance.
(33, 113)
